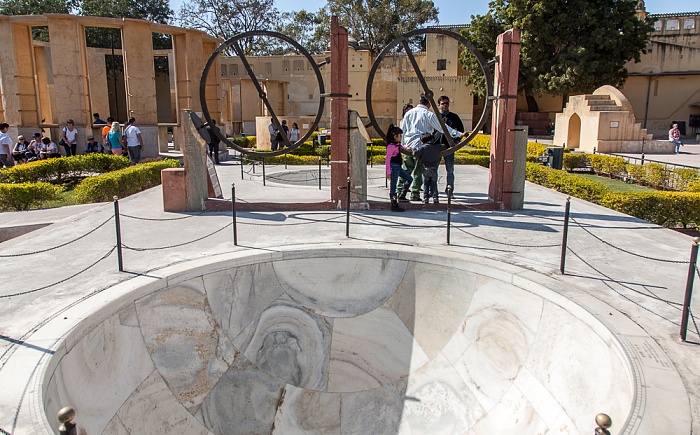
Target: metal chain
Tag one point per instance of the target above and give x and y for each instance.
(4, 432)
(399, 226)
(697, 331)
(505, 243)
(652, 296)
(626, 251)
(162, 219)
(179, 244)
(59, 246)
(289, 224)
(61, 281)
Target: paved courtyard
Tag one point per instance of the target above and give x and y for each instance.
(626, 276)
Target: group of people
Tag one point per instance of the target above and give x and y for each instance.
(276, 139)
(420, 137)
(115, 141)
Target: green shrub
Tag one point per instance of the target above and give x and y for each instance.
(305, 149)
(656, 175)
(123, 182)
(572, 161)
(292, 160)
(241, 141)
(482, 141)
(682, 178)
(323, 151)
(636, 172)
(564, 182)
(611, 165)
(535, 149)
(469, 159)
(669, 209)
(63, 169)
(473, 152)
(21, 196)
(378, 142)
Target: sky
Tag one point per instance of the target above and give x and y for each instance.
(460, 11)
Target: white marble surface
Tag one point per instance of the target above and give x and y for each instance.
(270, 348)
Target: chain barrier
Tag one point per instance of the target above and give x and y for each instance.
(692, 317)
(652, 295)
(179, 244)
(399, 226)
(4, 432)
(59, 246)
(553, 245)
(663, 260)
(61, 281)
(163, 219)
(289, 224)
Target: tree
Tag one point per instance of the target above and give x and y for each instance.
(35, 7)
(311, 30)
(566, 47)
(225, 18)
(378, 22)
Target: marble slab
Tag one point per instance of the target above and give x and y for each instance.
(289, 342)
(340, 286)
(376, 411)
(372, 350)
(308, 412)
(182, 339)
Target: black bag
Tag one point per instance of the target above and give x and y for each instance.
(62, 142)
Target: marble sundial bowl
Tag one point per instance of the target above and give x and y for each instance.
(336, 339)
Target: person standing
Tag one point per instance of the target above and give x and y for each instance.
(279, 138)
(273, 135)
(294, 133)
(674, 135)
(215, 141)
(5, 146)
(394, 167)
(114, 139)
(106, 130)
(417, 121)
(429, 153)
(134, 141)
(69, 137)
(452, 120)
(97, 120)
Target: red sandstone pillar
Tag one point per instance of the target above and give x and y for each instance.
(503, 118)
(340, 132)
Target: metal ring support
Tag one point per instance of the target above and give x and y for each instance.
(403, 41)
(233, 43)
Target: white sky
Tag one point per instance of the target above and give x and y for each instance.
(460, 11)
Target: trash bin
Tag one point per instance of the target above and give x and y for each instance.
(555, 157)
(322, 139)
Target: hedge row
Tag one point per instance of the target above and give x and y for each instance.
(669, 209)
(61, 170)
(651, 174)
(22, 196)
(123, 182)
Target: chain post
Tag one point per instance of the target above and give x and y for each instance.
(65, 416)
(241, 166)
(689, 287)
(117, 223)
(565, 235)
(319, 173)
(285, 160)
(347, 213)
(233, 210)
(371, 153)
(603, 421)
(254, 162)
(263, 166)
(449, 207)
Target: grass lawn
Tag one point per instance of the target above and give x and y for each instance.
(616, 185)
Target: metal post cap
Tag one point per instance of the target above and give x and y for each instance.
(696, 240)
(603, 420)
(65, 414)
(115, 197)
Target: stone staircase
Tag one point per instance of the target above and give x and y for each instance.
(603, 103)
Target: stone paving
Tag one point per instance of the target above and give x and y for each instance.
(624, 277)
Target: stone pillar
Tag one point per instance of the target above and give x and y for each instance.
(358, 162)
(501, 169)
(195, 161)
(67, 65)
(339, 113)
(139, 73)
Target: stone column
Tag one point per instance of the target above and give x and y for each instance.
(67, 37)
(339, 113)
(139, 74)
(358, 162)
(501, 169)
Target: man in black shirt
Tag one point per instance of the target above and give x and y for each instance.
(452, 120)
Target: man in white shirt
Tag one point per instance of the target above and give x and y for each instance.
(417, 121)
(134, 141)
(5, 146)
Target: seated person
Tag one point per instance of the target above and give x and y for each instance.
(20, 150)
(97, 120)
(51, 149)
(92, 146)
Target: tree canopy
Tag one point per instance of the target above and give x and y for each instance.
(33, 7)
(566, 47)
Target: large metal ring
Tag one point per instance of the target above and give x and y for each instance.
(233, 43)
(403, 40)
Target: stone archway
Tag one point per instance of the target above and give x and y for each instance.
(573, 139)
